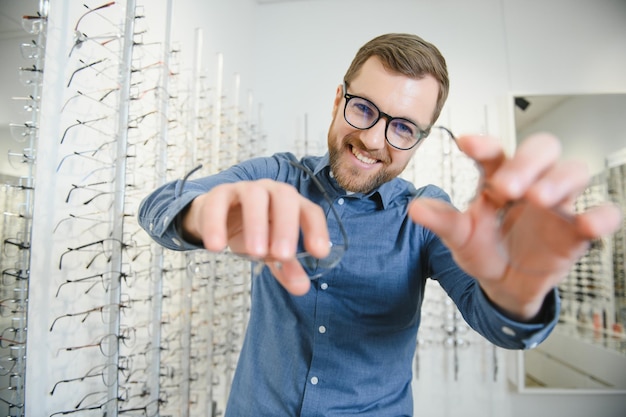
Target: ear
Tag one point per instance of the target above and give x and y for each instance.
(338, 97)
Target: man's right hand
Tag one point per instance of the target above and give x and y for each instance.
(261, 219)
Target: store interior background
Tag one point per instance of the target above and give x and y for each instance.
(290, 57)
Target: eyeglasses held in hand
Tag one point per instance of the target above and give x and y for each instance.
(314, 267)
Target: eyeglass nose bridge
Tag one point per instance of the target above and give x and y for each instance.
(381, 116)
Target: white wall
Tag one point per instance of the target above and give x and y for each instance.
(592, 127)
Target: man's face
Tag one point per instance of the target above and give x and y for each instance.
(362, 160)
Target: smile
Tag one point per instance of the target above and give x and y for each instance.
(362, 158)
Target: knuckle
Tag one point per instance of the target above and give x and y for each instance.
(290, 193)
(256, 191)
(284, 191)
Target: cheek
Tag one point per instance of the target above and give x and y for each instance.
(337, 131)
(400, 159)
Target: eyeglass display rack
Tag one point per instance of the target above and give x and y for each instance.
(616, 188)
(588, 294)
(592, 294)
(117, 324)
(16, 200)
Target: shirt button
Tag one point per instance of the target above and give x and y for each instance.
(314, 380)
(341, 201)
(324, 286)
(322, 329)
(507, 331)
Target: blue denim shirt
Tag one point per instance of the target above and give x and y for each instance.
(346, 347)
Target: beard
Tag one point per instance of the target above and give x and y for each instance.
(351, 178)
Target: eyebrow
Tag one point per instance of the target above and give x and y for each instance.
(419, 125)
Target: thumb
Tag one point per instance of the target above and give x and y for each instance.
(291, 276)
(443, 219)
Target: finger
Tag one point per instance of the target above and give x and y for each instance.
(489, 156)
(533, 157)
(291, 276)
(291, 213)
(442, 219)
(560, 185)
(599, 221)
(314, 229)
(254, 201)
(208, 215)
(485, 150)
(284, 209)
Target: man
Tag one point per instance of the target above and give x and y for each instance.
(343, 343)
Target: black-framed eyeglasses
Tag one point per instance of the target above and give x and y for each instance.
(362, 114)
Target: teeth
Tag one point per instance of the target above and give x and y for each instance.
(362, 157)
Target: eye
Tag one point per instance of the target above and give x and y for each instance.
(404, 128)
(363, 108)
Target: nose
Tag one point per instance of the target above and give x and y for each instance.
(374, 137)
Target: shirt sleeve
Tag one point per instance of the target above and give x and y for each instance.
(487, 319)
(160, 210)
(502, 331)
(477, 310)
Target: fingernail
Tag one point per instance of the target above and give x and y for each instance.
(547, 194)
(282, 249)
(515, 187)
(257, 248)
(505, 183)
(213, 243)
(322, 244)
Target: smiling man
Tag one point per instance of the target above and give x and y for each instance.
(337, 337)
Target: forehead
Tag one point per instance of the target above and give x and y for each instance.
(397, 94)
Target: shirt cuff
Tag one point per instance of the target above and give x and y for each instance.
(512, 334)
(166, 231)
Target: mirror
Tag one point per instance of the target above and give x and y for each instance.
(587, 350)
